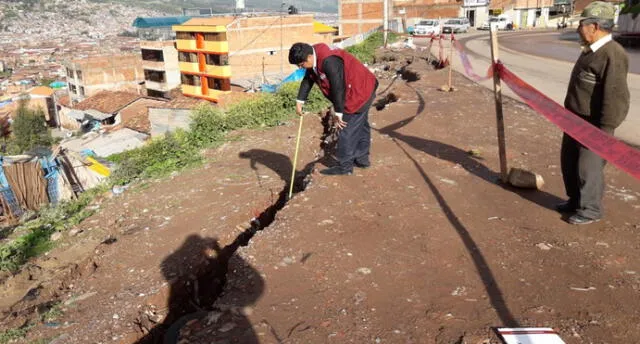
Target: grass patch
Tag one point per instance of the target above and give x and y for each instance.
(365, 51)
(14, 334)
(37, 237)
(53, 313)
(210, 127)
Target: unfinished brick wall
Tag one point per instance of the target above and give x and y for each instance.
(116, 72)
(253, 39)
(360, 16)
(534, 3)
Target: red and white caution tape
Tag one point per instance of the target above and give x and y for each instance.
(605, 145)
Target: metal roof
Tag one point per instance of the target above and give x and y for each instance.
(149, 22)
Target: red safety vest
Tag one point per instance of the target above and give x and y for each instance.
(359, 81)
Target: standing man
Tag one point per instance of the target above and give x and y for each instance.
(351, 88)
(599, 94)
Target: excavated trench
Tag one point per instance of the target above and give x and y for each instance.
(193, 295)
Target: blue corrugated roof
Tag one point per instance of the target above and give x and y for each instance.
(142, 23)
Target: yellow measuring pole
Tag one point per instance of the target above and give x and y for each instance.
(295, 158)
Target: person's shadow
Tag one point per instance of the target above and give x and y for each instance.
(197, 276)
(282, 165)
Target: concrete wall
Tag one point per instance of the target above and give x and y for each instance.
(480, 14)
(533, 3)
(258, 39)
(168, 120)
(116, 72)
(66, 121)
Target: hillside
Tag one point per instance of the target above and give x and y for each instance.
(42, 19)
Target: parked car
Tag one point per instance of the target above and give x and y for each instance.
(456, 26)
(501, 22)
(427, 27)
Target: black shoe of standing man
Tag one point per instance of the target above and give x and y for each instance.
(566, 207)
(336, 171)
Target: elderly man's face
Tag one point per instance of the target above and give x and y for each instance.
(587, 30)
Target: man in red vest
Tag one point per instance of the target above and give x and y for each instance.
(351, 88)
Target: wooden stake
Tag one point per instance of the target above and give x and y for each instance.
(450, 63)
(497, 91)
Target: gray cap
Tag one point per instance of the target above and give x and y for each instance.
(599, 10)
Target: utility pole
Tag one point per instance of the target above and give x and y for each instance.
(385, 25)
(281, 40)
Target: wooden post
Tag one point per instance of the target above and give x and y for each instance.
(450, 62)
(497, 91)
(385, 25)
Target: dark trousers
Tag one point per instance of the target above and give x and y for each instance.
(354, 140)
(583, 174)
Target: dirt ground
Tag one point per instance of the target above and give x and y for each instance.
(426, 246)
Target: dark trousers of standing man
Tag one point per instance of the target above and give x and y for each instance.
(354, 140)
(583, 174)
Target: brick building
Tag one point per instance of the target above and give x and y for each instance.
(359, 16)
(87, 77)
(160, 67)
(209, 49)
(524, 13)
(254, 40)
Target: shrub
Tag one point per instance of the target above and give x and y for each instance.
(365, 51)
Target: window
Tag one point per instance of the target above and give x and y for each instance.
(219, 84)
(69, 73)
(188, 57)
(217, 60)
(215, 37)
(192, 80)
(155, 93)
(185, 35)
(72, 88)
(152, 55)
(154, 75)
(79, 74)
(82, 91)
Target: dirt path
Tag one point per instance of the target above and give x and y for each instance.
(423, 247)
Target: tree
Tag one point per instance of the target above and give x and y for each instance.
(29, 128)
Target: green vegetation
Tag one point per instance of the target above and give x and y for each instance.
(53, 313)
(14, 334)
(10, 14)
(173, 152)
(366, 50)
(36, 239)
(209, 128)
(46, 81)
(634, 10)
(29, 130)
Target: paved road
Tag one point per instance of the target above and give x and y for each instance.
(547, 74)
(562, 46)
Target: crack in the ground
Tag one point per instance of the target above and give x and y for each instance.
(193, 295)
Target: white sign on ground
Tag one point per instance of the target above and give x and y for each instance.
(532, 335)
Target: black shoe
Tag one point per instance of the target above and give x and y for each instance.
(335, 171)
(361, 165)
(566, 207)
(362, 162)
(581, 220)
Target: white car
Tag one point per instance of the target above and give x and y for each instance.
(427, 27)
(456, 25)
(502, 23)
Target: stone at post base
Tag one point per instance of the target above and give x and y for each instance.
(522, 178)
